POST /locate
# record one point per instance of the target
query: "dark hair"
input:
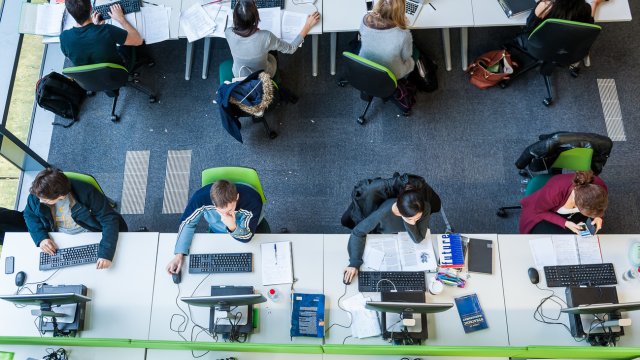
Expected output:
(410, 201)
(50, 184)
(568, 10)
(223, 193)
(590, 199)
(80, 10)
(245, 18)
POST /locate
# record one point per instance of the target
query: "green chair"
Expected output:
(373, 80)
(88, 179)
(107, 78)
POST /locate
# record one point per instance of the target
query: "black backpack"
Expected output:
(424, 74)
(60, 95)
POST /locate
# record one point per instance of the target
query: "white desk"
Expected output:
(120, 296)
(155, 354)
(444, 328)
(275, 317)
(22, 352)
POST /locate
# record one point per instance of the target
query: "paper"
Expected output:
(565, 248)
(417, 257)
(388, 244)
(589, 249)
(155, 24)
(543, 252)
(372, 258)
(130, 17)
(292, 24)
(364, 322)
(277, 263)
(195, 23)
(270, 20)
(219, 15)
(49, 20)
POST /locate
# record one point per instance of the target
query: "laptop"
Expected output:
(412, 10)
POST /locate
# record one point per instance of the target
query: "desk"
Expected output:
(155, 354)
(275, 317)
(445, 327)
(22, 352)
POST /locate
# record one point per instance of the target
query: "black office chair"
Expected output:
(373, 80)
(108, 78)
(553, 43)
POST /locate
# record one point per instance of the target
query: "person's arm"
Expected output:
(357, 240)
(276, 44)
(189, 220)
(407, 48)
(550, 199)
(594, 7)
(109, 221)
(246, 219)
(133, 36)
(418, 232)
(36, 228)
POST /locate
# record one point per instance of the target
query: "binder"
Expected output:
(481, 256)
(515, 7)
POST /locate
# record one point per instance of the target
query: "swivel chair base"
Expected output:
(369, 100)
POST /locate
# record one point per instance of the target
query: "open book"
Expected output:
(397, 252)
(41, 19)
(565, 250)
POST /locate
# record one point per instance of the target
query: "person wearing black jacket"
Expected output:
(69, 206)
(11, 221)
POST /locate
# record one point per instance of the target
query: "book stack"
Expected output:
(451, 251)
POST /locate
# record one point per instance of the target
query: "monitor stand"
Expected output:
(405, 336)
(63, 323)
(577, 296)
(222, 324)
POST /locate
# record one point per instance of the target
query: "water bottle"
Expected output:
(273, 294)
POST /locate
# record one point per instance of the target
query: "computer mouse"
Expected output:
(344, 281)
(177, 278)
(534, 277)
(21, 278)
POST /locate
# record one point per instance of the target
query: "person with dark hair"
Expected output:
(58, 204)
(563, 203)
(574, 10)
(250, 46)
(230, 208)
(92, 41)
(408, 212)
(11, 221)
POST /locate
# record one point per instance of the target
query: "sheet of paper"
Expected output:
(589, 250)
(69, 22)
(543, 252)
(270, 19)
(156, 23)
(219, 15)
(49, 19)
(277, 263)
(195, 23)
(373, 259)
(131, 18)
(292, 24)
(417, 257)
(387, 243)
(364, 322)
(565, 248)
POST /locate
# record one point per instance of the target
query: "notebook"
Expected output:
(277, 263)
(471, 313)
(307, 315)
(480, 256)
(515, 7)
(565, 250)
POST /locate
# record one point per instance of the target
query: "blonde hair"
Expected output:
(392, 11)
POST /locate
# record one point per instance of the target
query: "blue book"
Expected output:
(307, 316)
(471, 313)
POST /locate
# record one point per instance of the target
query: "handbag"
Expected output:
(490, 68)
(424, 74)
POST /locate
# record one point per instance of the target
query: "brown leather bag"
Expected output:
(490, 68)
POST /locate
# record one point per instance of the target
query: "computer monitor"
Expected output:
(593, 309)
(402, 307)
(46, 300)
(224, 301)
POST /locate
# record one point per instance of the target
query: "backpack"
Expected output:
(405, 96)
(60, 95)
(424, 74)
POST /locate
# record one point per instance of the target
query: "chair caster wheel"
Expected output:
(574, 71)
(284, 230)
(503, 84)
(151, 64)
(406, 113)
(501, 213)
(152, 99)
(273, 135)
(361, 120)
(523, 173)
(91, 93)
(547, 102)
(115, 118)
(342, 83)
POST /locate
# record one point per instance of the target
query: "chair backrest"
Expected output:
(369, 77)
(562, 42)
(576, 159)
(85, 178)
(236, 175)
(99, 77)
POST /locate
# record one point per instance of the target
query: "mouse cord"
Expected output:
(538, 313)
(343, 309)
(25, 287)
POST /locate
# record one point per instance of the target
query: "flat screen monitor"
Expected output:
(602, 308)
(224, 300)
(50, 299)
(400, 307)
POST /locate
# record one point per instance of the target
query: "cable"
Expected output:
(343, 309)
(392, 284)
(538, 313)
(24, 286)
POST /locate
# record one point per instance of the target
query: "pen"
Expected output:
(275, 252)
(430, 4)
(212, 2)
(150, 3)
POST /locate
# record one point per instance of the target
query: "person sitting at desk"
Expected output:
(11, 221)
(250, 46)
(563, 202)
(574, 10)
(408, 212)
(385, 38)
(93, 42)
(56, 203)
(228, 208)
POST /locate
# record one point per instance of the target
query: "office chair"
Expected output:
(553, 43)
(238, 175)
(108, 78)
(88, 179)
(373, 80)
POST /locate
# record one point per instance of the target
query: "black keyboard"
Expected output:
(264, 3)
(374, 281)
(128, 6)
(220, 263)
(577, 275)
(72, 256)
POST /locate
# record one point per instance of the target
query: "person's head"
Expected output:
(224, 196)
(392, 11)
(410, 203)
(50, 186)
(245, 18)
(566, 9)
(590, 199)
(80, 10)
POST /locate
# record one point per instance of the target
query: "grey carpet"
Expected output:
(463, 140)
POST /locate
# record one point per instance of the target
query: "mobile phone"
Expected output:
(369, 5)
(587, 228)
(590, 226)
(9, 264)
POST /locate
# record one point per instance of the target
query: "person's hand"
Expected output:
(312, 19)
(349, 274)
(597, 222)
(572, 226)
(228, 219)
(103, 263)
(48, 246)
(96, 18)
(116, 13)
(175, 265)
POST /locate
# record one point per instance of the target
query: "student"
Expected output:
(92, 42)
(11, 221)
(575, 10)
(408, 212)
(564, 202)
(57, 203)
(385, 38)
(250, 46)
(228, 208)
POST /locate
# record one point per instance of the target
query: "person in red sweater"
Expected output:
(564, 202)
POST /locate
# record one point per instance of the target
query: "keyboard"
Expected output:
(264, 3)
(220, 263)
(72, 256)
(577, 275)
(128, 6)
(374, 281)
(412, 10)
